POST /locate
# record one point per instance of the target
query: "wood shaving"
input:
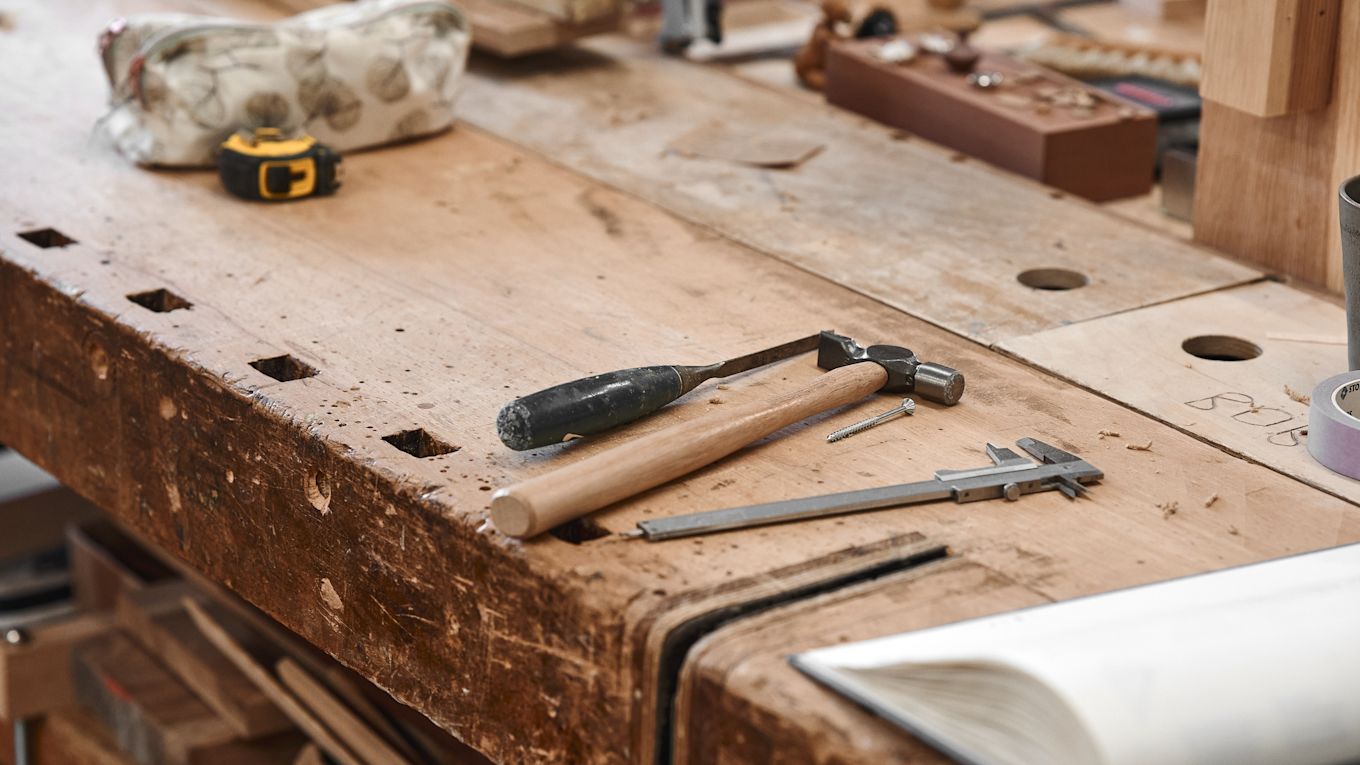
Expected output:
(715, 400)
(723, 386)
(1169, 509)
(1233, 530)
(1211, 500)
(571, 437)
(1110, 433)
(1299, 397)
(1147, 447)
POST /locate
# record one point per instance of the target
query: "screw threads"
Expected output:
(908, 407)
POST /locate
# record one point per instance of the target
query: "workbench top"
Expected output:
(547, 236)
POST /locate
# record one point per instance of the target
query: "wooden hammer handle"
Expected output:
(538, 504)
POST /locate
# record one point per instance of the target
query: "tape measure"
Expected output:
(266, 166)
(1334, 424)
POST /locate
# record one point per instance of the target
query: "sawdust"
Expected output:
(1233, 530)
(1169, 509)
(1110, 433)
(330, 597)
(1211, 500)
(722, 386)
(1147, 447)
(1296, 396)
(716, 400)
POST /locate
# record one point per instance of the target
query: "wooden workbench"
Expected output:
(549, 235)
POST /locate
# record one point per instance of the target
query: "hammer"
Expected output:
(531, 507)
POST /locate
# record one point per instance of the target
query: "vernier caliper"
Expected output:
(1009, 476)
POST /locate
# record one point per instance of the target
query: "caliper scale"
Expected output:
(1009, 477)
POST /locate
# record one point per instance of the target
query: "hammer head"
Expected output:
(906, 373)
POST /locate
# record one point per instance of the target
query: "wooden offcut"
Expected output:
(308, 721)
(70, 736)
(1270, 57)
(1266, 187)
(157, 619)
(156, 719)
(35, 676)
(510, 30)
(1103, 152)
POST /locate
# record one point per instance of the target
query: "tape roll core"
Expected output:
(1334, 424)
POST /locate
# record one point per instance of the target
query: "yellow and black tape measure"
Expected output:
(265, 165)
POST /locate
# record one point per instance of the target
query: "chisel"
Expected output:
(598, 403)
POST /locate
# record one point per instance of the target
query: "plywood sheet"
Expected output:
(1257, 407)
(908, 223)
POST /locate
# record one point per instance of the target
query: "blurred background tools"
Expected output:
(598, 403)
(268, 167)
(538, 504)
(1009, 476)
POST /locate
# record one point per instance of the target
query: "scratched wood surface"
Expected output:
(1256, 407)
(447, 276)
(915, 226)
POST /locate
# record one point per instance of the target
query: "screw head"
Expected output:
(16, 636)
(1011, 491)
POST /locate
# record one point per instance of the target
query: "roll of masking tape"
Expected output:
(1334, 424)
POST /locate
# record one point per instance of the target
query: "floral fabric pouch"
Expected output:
(352, 75)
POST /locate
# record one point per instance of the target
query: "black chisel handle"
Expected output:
(589, 405)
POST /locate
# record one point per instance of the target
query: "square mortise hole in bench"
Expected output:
(160, 301)
(419, 443)
(46, 237)
(284, 368)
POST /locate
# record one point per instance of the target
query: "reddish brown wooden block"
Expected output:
(1101, 151)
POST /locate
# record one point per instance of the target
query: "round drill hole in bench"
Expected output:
(1052, 279)
(1221, 348)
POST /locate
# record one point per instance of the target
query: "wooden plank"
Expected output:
(908, 223)
(508, 30)
(105, 564)
(1257, 407)
(1103, 152)
(155, 718)
(1295, 164)
(309, 722)
(37, 521)
(35, 676)
(1283, 224)
(68, 737)
(569, 11)
(503, 274)
(740, 701)
(354, 732)
(1270, 57)
(156, 618)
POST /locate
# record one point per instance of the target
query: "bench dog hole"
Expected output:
(1221, 348)
(1053, 279)
(284, 368)
(419, 443)
(46, 237)
(160, 301)
(580, 530)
